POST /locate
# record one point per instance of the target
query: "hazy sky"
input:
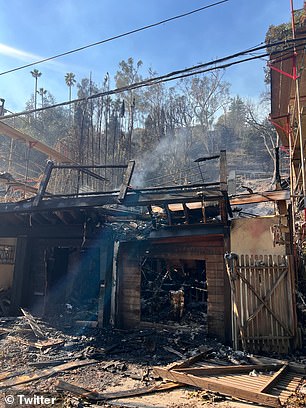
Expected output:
(34, 29)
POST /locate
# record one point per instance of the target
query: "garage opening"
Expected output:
(72, 284)
(173, 291)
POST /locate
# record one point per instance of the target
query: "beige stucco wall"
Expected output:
(253, 236)
(6, 270)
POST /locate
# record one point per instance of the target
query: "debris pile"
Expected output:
(174, 291)
(109, 367)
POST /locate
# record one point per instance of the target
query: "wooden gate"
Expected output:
(263, 302)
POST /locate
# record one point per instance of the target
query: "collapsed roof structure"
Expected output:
(148, 256)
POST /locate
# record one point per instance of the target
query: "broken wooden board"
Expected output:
(294, 366)
(6, 374)
(43, 344)
(10, 374)
(22, 379)
(191, 360)
(79, 391)
(34, 326)
(173, 351)
(219, 370)
(47, 363)
(96, 396)
(4, 331)
(268, 384)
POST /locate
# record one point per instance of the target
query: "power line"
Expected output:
(184, 73)
(149, 82)
(115, 37)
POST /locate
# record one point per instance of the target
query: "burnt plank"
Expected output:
(22, 379)
(96, 396)
(275, 378)
(227, 369)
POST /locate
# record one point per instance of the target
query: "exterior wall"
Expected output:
(254, 236)
(6, 270)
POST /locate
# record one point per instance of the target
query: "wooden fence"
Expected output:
(263, 302)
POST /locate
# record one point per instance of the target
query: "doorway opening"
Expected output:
(173, 291)
(72, 283)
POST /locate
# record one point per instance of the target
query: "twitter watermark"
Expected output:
(24, 400)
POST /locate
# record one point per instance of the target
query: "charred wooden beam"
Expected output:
(186, 213)
(126, 181)
(72, 216)
(132, 199)
(227, 204)
(260, 197)
(223, 171)
(23, 379)
(95, 396)
(178, 187)
(50, 217)
(33, 324)
(49, 231)
(62, 216)
(203, 211)
(42, 218)
(84, 169)
(177, 231)
(43, 184)
(202, 159)
(168, 213)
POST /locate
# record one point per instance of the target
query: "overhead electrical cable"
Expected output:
(116, 37)
(179, 74)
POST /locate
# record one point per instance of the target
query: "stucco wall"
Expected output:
(254, 236)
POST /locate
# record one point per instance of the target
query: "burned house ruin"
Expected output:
(149, 257)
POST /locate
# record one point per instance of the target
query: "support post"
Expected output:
(223, 171)
(43, 184)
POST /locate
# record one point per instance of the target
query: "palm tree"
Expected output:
(42, 92)
(70, 81)
(35, 74)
